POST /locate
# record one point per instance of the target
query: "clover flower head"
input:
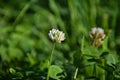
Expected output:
(97, 35)
(56, 35)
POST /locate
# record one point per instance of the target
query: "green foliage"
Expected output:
(54, 71)
(25, 46)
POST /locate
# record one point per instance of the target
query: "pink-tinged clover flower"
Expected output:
(97, 35)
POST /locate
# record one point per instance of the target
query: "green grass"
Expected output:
(25, 46)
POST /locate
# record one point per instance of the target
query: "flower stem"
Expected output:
(51, 56)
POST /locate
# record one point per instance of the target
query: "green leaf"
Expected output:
(12, 71)
(116, 72)
(111, 59)
(54, 71)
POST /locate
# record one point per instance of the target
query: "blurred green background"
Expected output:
(25, 44)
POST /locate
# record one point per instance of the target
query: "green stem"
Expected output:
(51, 56)
(103, 72)
(75, 75)
(21, 14)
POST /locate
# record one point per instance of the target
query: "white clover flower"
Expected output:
(56, 35)
(97, 35)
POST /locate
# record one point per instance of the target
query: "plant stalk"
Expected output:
(51, 56)
(75, 75)
(103, 72)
